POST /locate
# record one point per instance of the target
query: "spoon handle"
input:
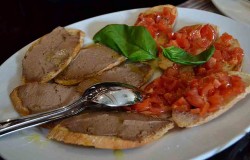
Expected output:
(12, 125)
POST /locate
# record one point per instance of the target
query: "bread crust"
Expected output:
(17, 103)
(65, 63)
(186, 119)
(160, 9)
(62, 134)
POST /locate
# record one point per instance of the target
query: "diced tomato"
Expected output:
(239, 86)
(153, 104)
(216, 83)
(204, 109)
(171, 72)
(226, 38)
(183, 43)
(158, 109)
(224, 79)
(171, 84)
(215, 100)
(194, 83)
(194, 39)
(194, 98)
(217, 55)
(159, 24)
(227, 56)
(152, 30)
(207, 88)
(173, 43)
(239, 53)
(151, 87)
(211, 63)
(181, 105)
(209, 32)
(195, 111)
(169, 97)
(142, 106)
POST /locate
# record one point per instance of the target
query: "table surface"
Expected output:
(22, 21)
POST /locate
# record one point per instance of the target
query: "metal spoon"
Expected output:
(109, 94)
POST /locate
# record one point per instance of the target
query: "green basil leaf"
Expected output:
(134, 42)
(180, 56)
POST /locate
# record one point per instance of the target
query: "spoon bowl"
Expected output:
(108, 94)
(113, 94)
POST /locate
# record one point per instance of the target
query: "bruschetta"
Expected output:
(136, 74)
(51, 54)
(90, 61)
(159, 21)
(35, 97)
(193, 39)
(110, 130)
(228, 56)
(216, 94)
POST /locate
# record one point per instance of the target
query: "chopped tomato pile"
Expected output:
(207, 94)
(159, 24)
(227, 56)
(204, 88)
(182, 91)
(194, 39)
(163, 92)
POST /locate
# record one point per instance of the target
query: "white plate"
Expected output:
(239, 10)
(195, 143)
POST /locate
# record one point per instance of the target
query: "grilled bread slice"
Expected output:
(228, 56)
(50, 54)
(187, 119)
(162, 19)
(37, 97)
(136, 74)
(90, 61)
(161, 9)
(110, 130)
(193, 39)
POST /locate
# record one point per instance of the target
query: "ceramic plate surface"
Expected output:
(239, 10)
(179, 144)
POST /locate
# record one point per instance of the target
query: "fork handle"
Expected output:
(13, 125)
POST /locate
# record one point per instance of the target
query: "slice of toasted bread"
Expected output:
(90, 61)
(235, 64)
(164, 62)
(186, 119)
(159, 15)
(106, 138)
(136, 74)
(61, 133)
(17, 103)
(228, 56)
(36, 97)
(155, 9)
(43, 62)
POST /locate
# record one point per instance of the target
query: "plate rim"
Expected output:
(216, 4)
(202, 155)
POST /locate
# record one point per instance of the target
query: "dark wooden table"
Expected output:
(22, 21)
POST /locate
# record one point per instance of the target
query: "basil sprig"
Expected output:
(180, 56)
(134, 42)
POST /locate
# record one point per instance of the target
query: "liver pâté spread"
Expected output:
(125, 125)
